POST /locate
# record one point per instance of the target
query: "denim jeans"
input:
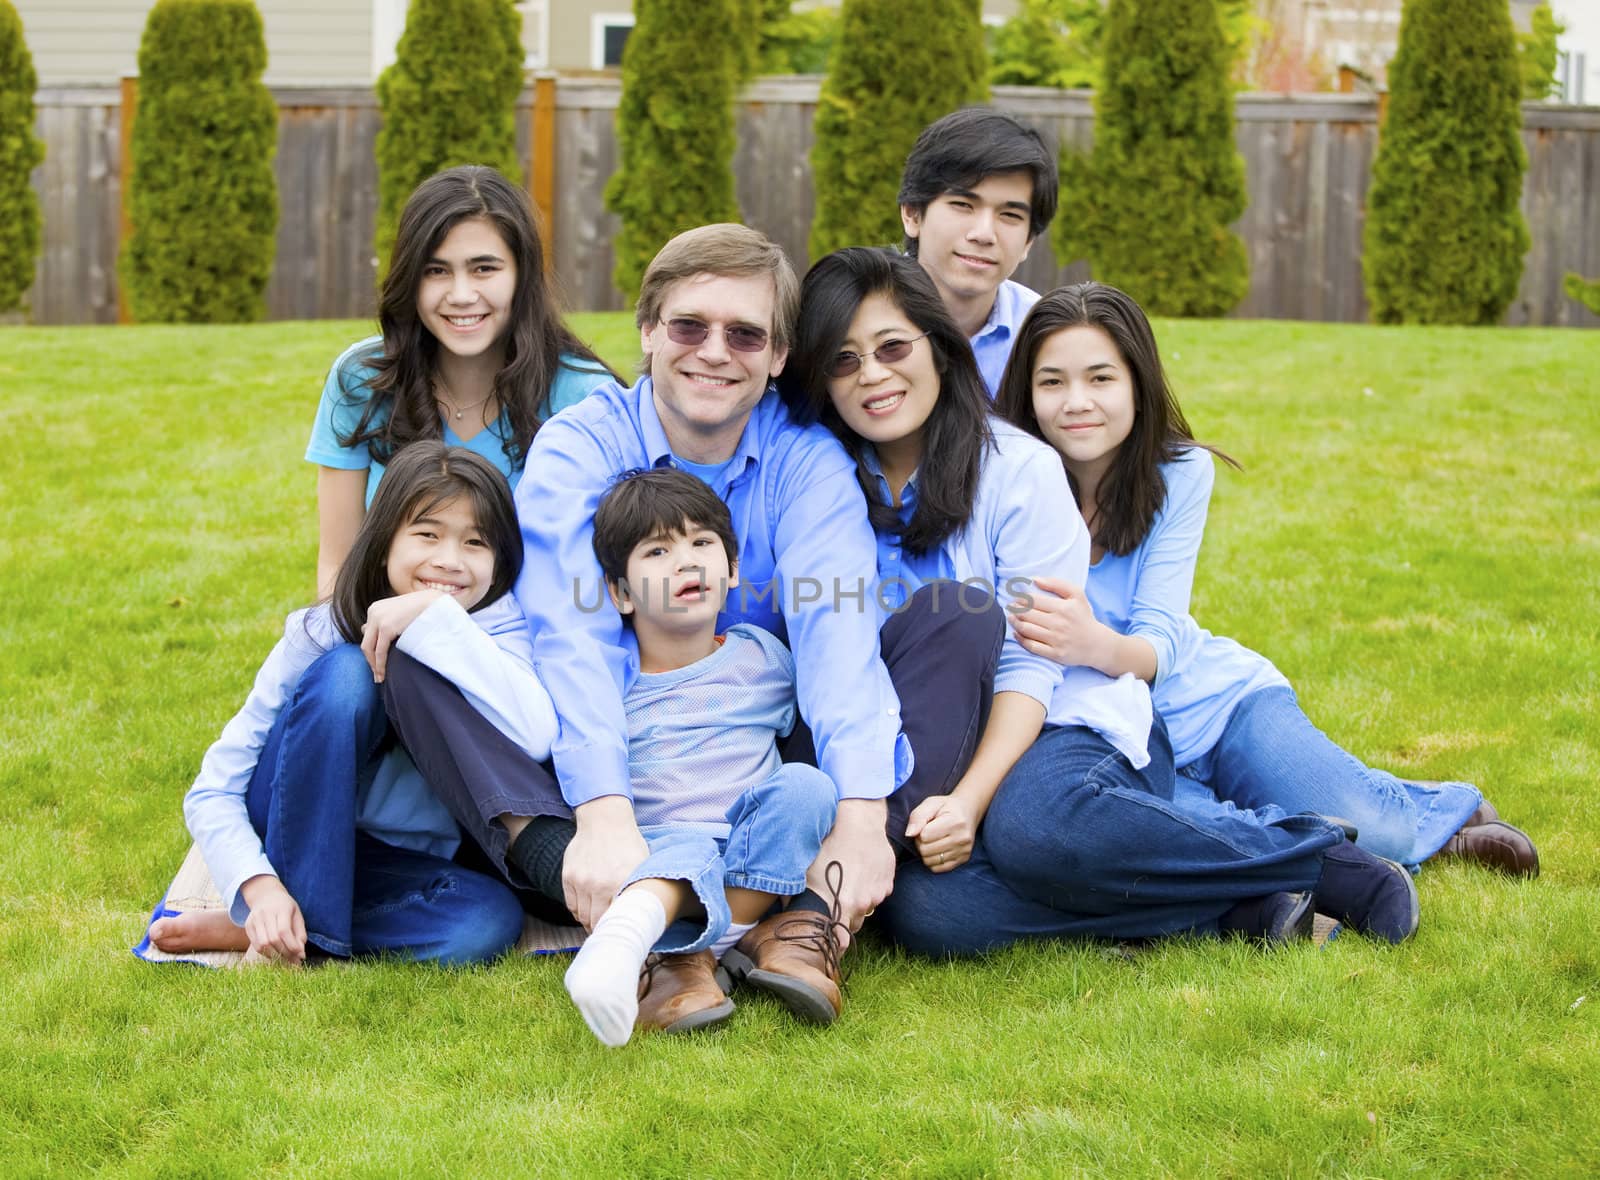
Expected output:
(1272, 761)
(1077, 843)
(359, 895)
(776, 829)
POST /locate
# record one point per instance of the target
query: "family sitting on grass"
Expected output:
(870, 597)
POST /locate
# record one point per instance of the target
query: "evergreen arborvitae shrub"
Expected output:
(1445, 236)
(675, 129)
(20, 153)
(449, 98)
(896, 68)
(203, 199)
(1150, 206)
(1585, 291)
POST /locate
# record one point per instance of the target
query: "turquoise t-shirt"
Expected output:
(344, 400)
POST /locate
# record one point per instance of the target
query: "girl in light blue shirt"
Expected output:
(472, 353)
(1060, 821)
(1086, 377)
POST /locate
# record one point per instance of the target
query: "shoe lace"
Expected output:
(820, 933)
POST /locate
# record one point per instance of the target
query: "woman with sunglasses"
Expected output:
(1060, 822)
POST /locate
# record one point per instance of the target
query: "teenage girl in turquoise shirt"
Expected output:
(1086, 377)
(473, 351)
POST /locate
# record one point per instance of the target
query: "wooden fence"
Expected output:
(1308, 160)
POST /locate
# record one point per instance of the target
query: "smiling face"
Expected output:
(443, 549)
(704, 392)
(1083, 397)
(886, 402)
(972, 240)
(466, 292)
(677, 581)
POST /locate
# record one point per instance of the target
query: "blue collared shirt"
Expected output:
(992, 345)
(902, 573)
(806, 565)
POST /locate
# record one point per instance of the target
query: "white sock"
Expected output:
(730, 939)
(603, 980)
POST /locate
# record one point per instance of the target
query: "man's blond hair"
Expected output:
(729, 250)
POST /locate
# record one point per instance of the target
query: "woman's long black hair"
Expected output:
(957, 430)
(1133, 490)
(403, 382)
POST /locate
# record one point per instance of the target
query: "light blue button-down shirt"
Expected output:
(1200, 677)
(991, 347)
(806, 566)
(1024, 525)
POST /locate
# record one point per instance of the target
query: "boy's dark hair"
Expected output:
(648, 503)
(961, 150)
(422, 476)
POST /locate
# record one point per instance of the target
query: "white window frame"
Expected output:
(535, 58)
(599, 22)
(388, 22)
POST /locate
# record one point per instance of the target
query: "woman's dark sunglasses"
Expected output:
(886, 353)
(740, 337)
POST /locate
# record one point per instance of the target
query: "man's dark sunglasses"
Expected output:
(693, 333)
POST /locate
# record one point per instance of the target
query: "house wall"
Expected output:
(95, 42)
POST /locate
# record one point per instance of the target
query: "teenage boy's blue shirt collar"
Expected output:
(745, 456)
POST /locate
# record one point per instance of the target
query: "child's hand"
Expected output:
(275, 926)
(1061, 625)
(386, 619)
(944, 827)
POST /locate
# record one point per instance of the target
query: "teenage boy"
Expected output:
(978, 188)
(716, 311)
(731, 827)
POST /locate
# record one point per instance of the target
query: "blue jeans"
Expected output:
(357, 894)
(1077, 843)
(776, 830)
(1272, 761)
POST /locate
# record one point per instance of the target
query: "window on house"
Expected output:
(609, 34)
(535, 16)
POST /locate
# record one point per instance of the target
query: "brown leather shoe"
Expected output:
(1496, 845)
(794, 956)
(677, 994)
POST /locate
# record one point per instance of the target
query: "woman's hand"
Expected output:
(1061, 625)
(386, 620)
(944, 827)
(276, 928)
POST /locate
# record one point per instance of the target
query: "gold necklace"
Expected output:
(450, 405)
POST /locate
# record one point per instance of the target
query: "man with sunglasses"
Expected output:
(715, 313)
(977, 189)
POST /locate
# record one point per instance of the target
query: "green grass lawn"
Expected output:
(1415, 540)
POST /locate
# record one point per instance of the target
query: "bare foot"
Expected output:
(198, 930)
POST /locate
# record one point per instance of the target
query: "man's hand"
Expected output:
(860, 845)
(606, 849)
(276, 929)
(944, 827)
(386, 619)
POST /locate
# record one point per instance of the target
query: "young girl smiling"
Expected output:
(319, 833)
(1085, 376)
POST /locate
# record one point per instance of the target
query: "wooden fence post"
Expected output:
(130, 99)
(542, 165)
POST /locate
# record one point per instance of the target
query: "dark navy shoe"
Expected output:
(1275, 918)
(1368, 893)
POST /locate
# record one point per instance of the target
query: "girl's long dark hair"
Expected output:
(420, 478)
(1133, 490)
(403, 381)
(957, 430)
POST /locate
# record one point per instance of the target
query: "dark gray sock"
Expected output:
(813, 901)
(538, 851)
